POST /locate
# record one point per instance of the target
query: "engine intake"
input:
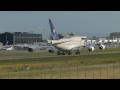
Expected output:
(30, 49)
(91, 48)
(51, 51)
(102, 47)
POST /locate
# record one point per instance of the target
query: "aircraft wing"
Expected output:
(87, 45)
(95, 44)
(35, 48)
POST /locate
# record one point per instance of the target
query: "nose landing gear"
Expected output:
(78, 52)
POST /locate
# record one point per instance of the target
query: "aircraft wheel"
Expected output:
(69, 53)
(63, 53)
(77, 52)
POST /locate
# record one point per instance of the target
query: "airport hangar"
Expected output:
(12, 38)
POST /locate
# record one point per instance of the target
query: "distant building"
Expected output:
(115, 35)
(0, 36)
(9, 38)
(1, 45)
(67, 35)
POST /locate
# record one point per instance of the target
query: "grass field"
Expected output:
(84, 66)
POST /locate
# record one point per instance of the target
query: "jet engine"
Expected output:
(91, 48)
(30, 49)
(102, 47)
(51, 51)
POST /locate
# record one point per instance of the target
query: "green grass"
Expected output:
(94, 58)
(89, 60)
(14, 53)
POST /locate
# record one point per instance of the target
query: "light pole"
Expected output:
(6, 40)
(44, 32)
(20, 38)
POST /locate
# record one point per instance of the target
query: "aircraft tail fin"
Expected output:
(54, 35)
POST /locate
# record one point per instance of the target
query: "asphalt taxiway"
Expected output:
(53, 55)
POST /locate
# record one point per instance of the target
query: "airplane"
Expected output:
(66, 45)
(35, 48)
(10, 48)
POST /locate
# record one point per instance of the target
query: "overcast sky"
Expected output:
(87, 23)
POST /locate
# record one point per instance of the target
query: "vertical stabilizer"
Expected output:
(54, 35)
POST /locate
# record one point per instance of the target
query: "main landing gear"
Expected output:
(69, 52)
(78, 52)
(58, 53)
(63, 53)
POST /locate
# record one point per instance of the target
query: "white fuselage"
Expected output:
(68, 44)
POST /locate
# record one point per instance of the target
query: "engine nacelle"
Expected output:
(91, 48)
(102, 47)
(51, 51)
(31, 49)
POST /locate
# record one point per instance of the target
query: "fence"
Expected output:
(64, 71)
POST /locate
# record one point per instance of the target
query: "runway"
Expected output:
(53, 55)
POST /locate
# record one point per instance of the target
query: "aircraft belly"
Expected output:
(73, 46)
(66, 47)
(62, 47)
